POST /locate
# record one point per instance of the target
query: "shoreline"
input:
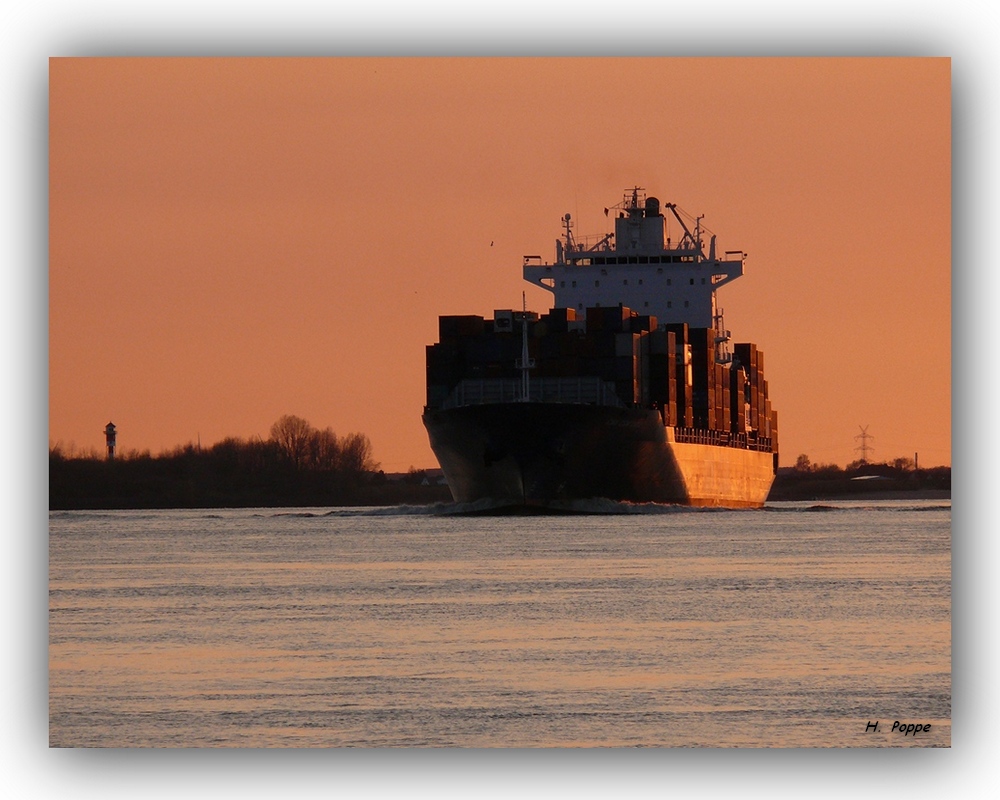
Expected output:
(432, 499)
(889, 494)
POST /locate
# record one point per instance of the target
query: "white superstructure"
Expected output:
(636, 267)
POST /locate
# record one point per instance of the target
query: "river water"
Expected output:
(800, 625)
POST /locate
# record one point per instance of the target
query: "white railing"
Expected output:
(596, 243)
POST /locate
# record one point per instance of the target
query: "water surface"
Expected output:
(796, 625)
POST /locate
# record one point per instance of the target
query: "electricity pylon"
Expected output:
(864, 436)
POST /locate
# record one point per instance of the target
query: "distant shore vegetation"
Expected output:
(901, 476)
(297, 465)
(300, 465)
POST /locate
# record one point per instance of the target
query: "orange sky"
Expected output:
(236, 239)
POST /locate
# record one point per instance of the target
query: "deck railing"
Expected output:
(740, 441)
(587, 390)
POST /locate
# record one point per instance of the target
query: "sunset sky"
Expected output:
(213, 261)
(231, 240)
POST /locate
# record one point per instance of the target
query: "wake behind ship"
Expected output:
(626, 389)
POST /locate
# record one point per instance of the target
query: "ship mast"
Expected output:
(568, 227)
(524, 363)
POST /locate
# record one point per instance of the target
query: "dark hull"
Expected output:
(545, 454)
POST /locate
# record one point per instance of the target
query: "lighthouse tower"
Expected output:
(109, 434)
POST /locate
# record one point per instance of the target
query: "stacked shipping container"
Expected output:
(672, 368)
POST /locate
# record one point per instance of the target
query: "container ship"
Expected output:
(628, 388)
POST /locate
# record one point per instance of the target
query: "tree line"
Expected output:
(807, 480)
(297, 465)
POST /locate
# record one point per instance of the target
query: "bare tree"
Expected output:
(356, 455)
(292, 435)
(324, 450)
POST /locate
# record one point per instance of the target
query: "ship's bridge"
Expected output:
(637, 267)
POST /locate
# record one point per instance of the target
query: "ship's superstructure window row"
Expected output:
(586, 261)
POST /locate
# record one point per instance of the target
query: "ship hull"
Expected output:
(547, 454)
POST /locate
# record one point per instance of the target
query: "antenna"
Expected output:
(864, 436)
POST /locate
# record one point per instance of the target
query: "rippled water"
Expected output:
(655, 626)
